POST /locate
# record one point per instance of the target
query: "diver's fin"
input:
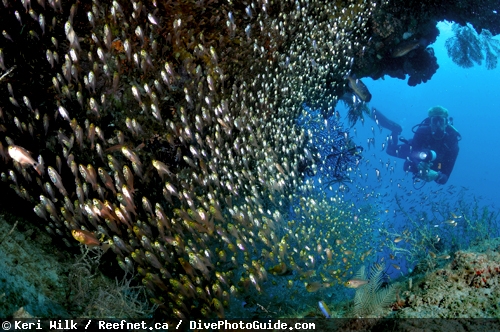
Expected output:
(383, 121)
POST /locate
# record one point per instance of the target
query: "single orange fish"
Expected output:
(23, 157)
(89, 239)
(85, 237)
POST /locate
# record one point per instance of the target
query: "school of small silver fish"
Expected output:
(170, 137)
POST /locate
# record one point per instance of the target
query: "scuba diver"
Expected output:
(431, 154)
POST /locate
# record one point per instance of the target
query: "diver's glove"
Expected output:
(425, 172)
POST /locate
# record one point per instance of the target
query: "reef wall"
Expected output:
(167, 131)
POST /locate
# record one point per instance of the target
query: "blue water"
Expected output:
(471, 97)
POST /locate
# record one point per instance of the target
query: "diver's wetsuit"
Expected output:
(446, 150)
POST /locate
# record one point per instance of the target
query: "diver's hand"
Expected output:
(426, 173)
(431, 175)
(423, 166)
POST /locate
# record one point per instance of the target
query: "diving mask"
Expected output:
(438, 125)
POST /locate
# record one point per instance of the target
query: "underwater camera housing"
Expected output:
(426, 155)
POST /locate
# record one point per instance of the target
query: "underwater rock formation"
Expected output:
(421, 67)
(482, 14)
(466, 286)
(415, 23)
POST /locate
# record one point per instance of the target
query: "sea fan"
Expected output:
(371, 296)
(491, 48)
(465, 47)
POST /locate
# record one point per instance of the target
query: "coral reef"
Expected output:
(167, 131)
(448, 268)
(415, 22)
(421, 67)
(465, 287)
(30, 275)
(402, 52)
(39, 280)
(91, 294)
